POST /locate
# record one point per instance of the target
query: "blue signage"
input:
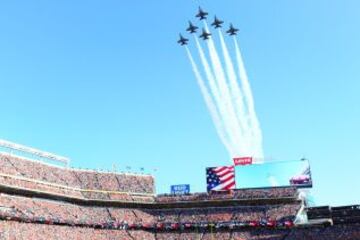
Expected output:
(180, 189)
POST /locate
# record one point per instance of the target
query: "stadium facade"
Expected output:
(44, 201)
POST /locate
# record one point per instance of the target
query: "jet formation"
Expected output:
(217, 23)
(201, 14)
(232, 31)
(205, 35)
(183, 41)
(191, 28)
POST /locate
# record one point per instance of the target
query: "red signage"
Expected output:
(242, 161)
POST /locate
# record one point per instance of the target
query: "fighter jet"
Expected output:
(201, 14)
(232, 31)
(182, 41)
(205, 35)
(191, 28)
(217, 23)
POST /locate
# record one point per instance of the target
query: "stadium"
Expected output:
(40, 200)
(88, 76)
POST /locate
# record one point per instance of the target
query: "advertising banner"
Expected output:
(242, 161)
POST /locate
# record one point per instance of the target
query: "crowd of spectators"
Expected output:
(336, 232)
(12, 230)
(339, 232)
(26, 231)
(48, 211)
(33, 175)
(85, 184)
(24, 217)
(228, 214)
(343, 214)
(244, 194)
(27, 209)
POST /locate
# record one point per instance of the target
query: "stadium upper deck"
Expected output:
(30, 175)
(40, 179)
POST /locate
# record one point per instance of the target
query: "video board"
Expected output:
(274, 174)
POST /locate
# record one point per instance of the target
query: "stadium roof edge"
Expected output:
(33, 151)
(74, 169)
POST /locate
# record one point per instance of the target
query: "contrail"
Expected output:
(210, 105)
(249, 101)
(215, 92)
(237, 95)
(236, 131)
(209, 74)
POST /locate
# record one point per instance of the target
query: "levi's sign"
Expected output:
(242, 161)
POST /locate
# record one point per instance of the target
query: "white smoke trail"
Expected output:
(235, 131)
(209, 74)
(255, 126)
(237, 97)
(215, 92)
(210, 105)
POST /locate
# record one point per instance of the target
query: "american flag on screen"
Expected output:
(220, 178)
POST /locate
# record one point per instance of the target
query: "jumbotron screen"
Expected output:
(274, 174)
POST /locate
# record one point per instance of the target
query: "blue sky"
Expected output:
(104, 82)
